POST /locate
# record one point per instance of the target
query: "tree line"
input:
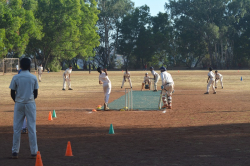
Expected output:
(190, 33)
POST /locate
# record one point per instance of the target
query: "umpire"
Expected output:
(24, 91)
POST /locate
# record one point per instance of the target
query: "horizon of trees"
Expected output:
(190, 34)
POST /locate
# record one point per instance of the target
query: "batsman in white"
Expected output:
(218, 77)
(145, 81)
(156, 78)
(40, 72)
(167, 88)
(66, 78)
(104, 80)
(24, 91)
(126, 76)
(210, 80)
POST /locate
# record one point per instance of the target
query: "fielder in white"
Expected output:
(24, 91)
(145, 81)
(156, 78)
(167, 88)
(126, 76)
(104, 80)
(218, 77)
(210, 80)
(40, 72)
(66, 78)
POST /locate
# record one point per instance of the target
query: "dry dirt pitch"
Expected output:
(200, 130)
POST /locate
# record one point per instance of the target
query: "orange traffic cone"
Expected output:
(68, 150)
(38, 159)
(50, 116)
(35, 72)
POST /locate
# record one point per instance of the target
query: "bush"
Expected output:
(54, 66)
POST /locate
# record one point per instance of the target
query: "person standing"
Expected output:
(210, 80)
(104, 80)
(156, 78)
(40, 72)
(167, 88)
(66, 78)
(126, 76)
(24, 91)
(218, 77)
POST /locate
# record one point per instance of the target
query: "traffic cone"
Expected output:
(241, 78)
(50, 117)
(54, 114)
(111, 129)
(38, 159)
(35, 72)
(68, 150)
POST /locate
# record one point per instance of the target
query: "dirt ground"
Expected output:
(199, 130)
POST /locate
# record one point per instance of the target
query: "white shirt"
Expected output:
(166, 78)
(146, 78)
(67, 72)
(40, 69)
(17, 67)
(218, 76)
(127, 75)
(24, 84)
(211, 75)
(104, 78)
(154, 73)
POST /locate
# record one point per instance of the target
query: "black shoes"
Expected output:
(24, 131)
(63, 89)
(33, 156)
(70, 89)
(206, 93)
(15, 155)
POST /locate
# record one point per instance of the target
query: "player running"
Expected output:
(40, 72)
(167, 88)
(104, 80)
(126, 76)
(66, 78)
(146, 80)
(156, 78)
(218, 77)
(210, 80)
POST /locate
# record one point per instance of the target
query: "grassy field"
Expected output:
(200, 129)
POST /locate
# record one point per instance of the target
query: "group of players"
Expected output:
(213, 79)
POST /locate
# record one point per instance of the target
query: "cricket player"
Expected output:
(167, 88)
(104, 80)
(210, 80)
(146, 80)
(66, 78)
(40, 72)
(24, 91)
(218, 77)
(156, 78)
(126, 76)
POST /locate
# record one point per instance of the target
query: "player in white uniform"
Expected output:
(126, 76)
(104, 80)
(210, 80)
(66, 78)
(218, 77)
(167, 88)
(145, 81)
(156, 78)
(24, 91)
(40, 72)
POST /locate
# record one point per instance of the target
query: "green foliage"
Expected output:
(54, 65)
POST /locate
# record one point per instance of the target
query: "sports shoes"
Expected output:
(24, 131)
(106, 108)
(206, 93)
(214, 93)
(131, 87)
(222, 87)
(155, 90)
(33, 156)
(165, 106)
(70, 89)
(15, 155)
(215, 87)
(121, 87)
(63, 89)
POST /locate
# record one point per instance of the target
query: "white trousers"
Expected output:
(40, 76)
(168, 89)
(211, 82)
(107, 91)
(68, 82)
(221, 83)
(20, 111)
(130, 83)
(157, 78)
(24, 123)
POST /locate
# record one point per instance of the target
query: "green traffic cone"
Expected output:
(111, 129)
(54, 114)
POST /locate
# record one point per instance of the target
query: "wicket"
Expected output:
(128, 99)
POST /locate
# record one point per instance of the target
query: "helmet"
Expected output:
(163, 68)
(210, 68)
(151, 68)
